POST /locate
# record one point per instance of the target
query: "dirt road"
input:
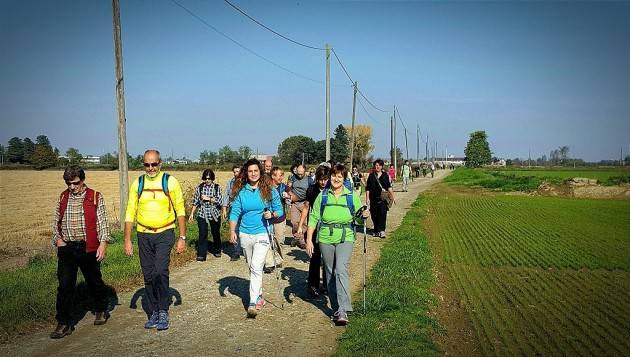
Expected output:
(209, 318)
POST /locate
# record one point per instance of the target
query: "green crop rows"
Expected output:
(538, 275)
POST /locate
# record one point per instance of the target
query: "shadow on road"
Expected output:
(83, 301)
(235, 286)
(297, 289)
(141, 294)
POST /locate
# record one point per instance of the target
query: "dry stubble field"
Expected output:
(28, 198)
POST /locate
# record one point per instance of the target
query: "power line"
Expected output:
(401, 120)
(243, 46)
(372, 104)
(342, 66)
(368, 113)
(271, 30)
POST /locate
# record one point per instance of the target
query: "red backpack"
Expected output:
(90, 203)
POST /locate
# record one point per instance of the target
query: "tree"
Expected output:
(399, 156)
(208, 157)
(339, 145)
(28, 148)
(109, 159)
(43, 157)
(363, 146)
(290, 149)
(2, 154)
(477, 150)
(74, 157)
(626, 160)
(229, 156)
(245, 152)
(42, 140)
(15, 150)
(564, 154)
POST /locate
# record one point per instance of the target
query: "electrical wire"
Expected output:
(271, 30)
(342, 66)
(372, 104)
(243, 46)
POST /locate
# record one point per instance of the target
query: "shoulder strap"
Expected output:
(323, 202)
(165, 183)
(350, 203)
(140, 185)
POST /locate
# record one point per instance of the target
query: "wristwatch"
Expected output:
(182, 237)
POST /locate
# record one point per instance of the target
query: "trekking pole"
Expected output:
(357, 215)
(275, 265)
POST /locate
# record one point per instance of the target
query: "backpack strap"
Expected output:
(140, 185)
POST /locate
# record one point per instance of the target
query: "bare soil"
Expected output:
(208, 316)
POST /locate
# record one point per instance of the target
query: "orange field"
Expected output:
(28, 198)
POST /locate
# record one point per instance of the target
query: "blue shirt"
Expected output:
(248, 208)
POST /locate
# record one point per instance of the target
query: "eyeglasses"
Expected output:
(75, 183)
(207, 179)
(151, 164)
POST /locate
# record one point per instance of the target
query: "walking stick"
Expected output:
(273, 254)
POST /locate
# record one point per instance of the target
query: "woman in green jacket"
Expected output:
(332, 215)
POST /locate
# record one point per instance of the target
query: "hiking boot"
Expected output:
(235, 258)
(217, 255)
(201, 259)
(381, 234)
(252, 312)
(153, 321)
(340, 318)
(260, 303)
(101, 318)
(268, 270)
(162, 323)
(61, 331)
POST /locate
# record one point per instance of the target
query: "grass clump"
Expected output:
(398, 299)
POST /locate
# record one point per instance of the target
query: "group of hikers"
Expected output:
(325, 209)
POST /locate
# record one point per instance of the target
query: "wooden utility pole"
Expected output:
(529, 158)
(327, 102)
(406, 146)
(418, 145)
(426, 148)
(123, 174)
(395, 162)
(391, 139)
(352, 138)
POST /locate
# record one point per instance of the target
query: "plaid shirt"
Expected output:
(206, 209)
(73, 222)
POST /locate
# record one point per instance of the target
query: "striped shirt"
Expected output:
(73, 222)
(208, 209)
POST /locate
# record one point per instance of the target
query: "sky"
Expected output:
(533, 75)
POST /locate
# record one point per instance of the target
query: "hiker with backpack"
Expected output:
(406, 174)
(357, 179)
(279, 223)
(226, 202)
(206, 203)
(156, 203)
(333, 217)
(254, 204)
(81, 235)
(315, 264)
(379, 195)
(301, 183)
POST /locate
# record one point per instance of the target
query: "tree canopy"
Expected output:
(477, 150)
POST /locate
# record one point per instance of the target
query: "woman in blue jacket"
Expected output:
(254, 204)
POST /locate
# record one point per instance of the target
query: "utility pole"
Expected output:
(391, 139)
(123, 174)
(446, 156)
(426, 149)
(354, 107)
(529, 159)
(395, 152)
(418, 145)
(406, 146)
(302, 159)
(327, 102)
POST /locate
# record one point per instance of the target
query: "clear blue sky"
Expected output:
(532, 75)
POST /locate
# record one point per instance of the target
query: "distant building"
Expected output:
(91, 159)
(261, 157)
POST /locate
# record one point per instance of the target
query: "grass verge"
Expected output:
(398, 297)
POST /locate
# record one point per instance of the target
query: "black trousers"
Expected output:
(315, 266)
(378, 212)
(155, 255)
(70, 258)
(202, 244)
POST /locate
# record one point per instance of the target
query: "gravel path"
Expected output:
(210, 317)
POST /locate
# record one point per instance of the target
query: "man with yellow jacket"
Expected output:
(155, 203)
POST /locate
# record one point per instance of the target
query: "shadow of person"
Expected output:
(236, 286)
(84, 302)
(297, 289)
(144, 302)
(298, 254)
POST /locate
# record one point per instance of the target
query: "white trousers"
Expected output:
(255, 247)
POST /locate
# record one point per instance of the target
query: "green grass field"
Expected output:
(397, 322)
(601, 175)
(537, 275)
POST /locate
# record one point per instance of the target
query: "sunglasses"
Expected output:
(151, 164)
(207, 179)
(75, 183)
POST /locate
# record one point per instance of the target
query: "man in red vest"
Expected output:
(81, 234)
